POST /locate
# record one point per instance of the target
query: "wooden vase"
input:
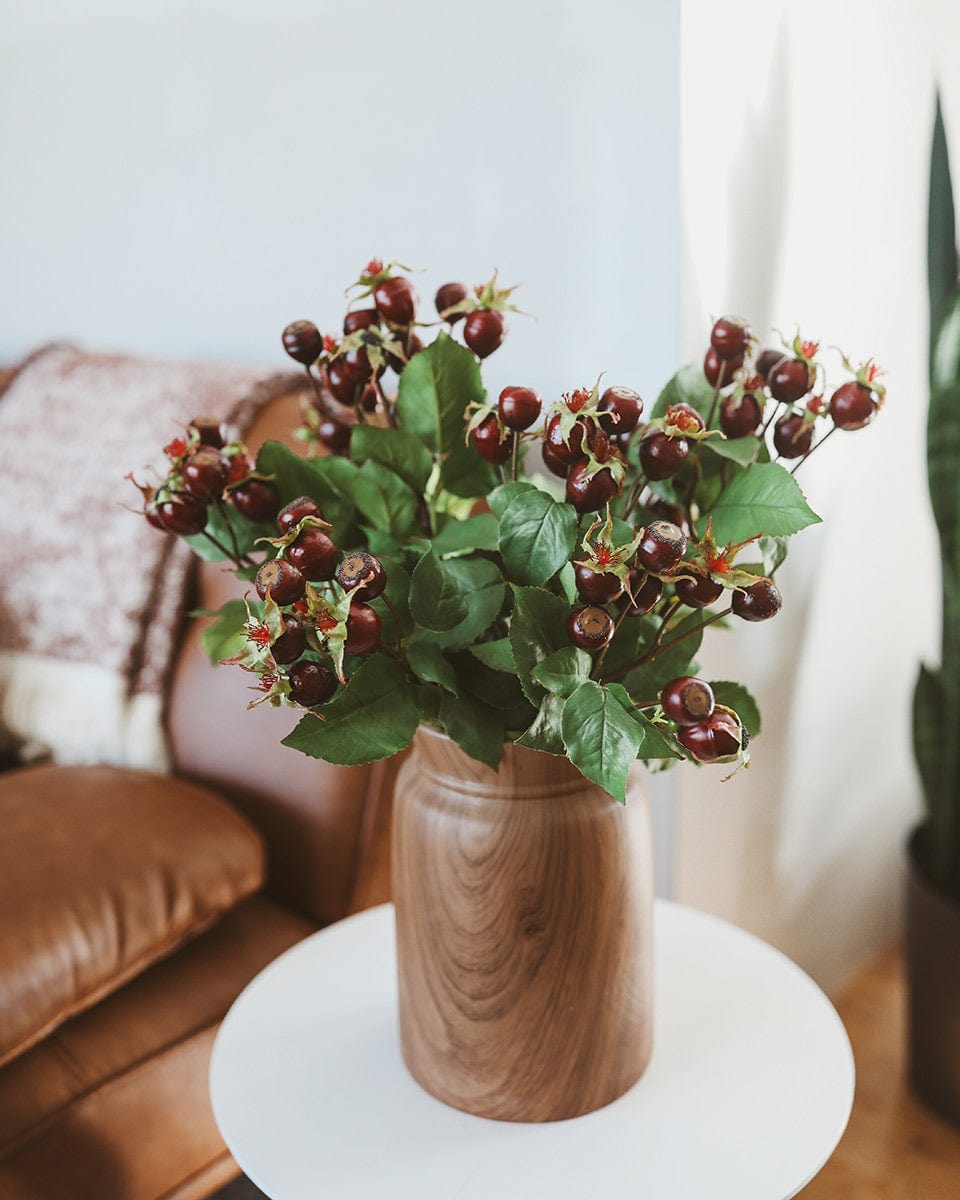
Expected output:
(524, 908)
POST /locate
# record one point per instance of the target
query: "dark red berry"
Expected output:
(698, 592)
(519, 407)
(257, 499)
(342, 385)
(666, 511)
(153, 516)
(303, 342)
(687, 700)
(597, 587)
(356, 363)
(789, 380)
(182, 514)
(205, 474)
(291, 643)
(449, 295)
(767, 361)
(720, 372)
(792, 437)
(740, 415)
(209, 431)
(590, 628)
(852, 405)
(570, 450)
(621, 408)
(483, 331)
(730, 338)
(491, 441)
(360, 318)
(662, 456)
(553, 461)
(717, 739)
(370, 397)
(281, 580)
(364, 629)
(311, 683)
(758, 602)
(396, 300)
(313, 554)
(646, 591)
(662, 546)
(685, 418)
(293, 513)
(333, 434)
(362, 571)
(587, 492)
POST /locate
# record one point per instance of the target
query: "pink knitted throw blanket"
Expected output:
(91, 597)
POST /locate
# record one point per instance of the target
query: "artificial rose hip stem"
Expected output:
(641, 662)
(816, 446)
(238, 558)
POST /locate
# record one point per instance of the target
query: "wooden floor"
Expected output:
(894, 1148)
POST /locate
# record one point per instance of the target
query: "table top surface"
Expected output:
(748, 1092)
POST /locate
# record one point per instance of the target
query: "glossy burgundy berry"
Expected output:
(313, 554)
(302, 340)
(396, 300)
(342, 385)
(570, 450)
(666, 511)
(662, 546)
(209, 431)
(646, 591)
(687, 700)
(362, 571)
(621, 408)
(554, 462)
(767, 361)
(356, 363)
(698, 592)
(335, 435)
(662, 456)
(740, 416)
(491, 441)
(281, 580)
(153, 516)
(360, 318)
(791, 437)
(256, 499)
(789, 380)
(291, 643)
(448, 295)
(370, 397)
(852, 405)
(293, 513)
(311, 683)
(714, 365)
(587, 492)
(182, 514)
(730, 338)
(718, 738)
(364, 629)
(686, 418)
(519, 407)
(590, 628)
(483, 331)
(597, 587)
(758, 602)
(205, 474)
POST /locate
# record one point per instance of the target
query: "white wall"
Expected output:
(805, 201)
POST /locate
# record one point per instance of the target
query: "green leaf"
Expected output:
(397, 592)
(564, 670)
(498, 655)
(329, 481)
(545, 732)
(655, 744)
(480, 581)
(773, 552)
(475, 727)
(436, 387)
(646, 682)
(688, 386)
(537, 536)
(502, 497)
(475, 533)
(385, 500)
(941, 229)
(741, 450)
(766, 499)
(736, 696)
(225, 636)
(428, 663)
(601, 739)
(436, 597)
(373, 717)
(538, 627)
(404, 454)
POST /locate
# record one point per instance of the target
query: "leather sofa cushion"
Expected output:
(102, 872)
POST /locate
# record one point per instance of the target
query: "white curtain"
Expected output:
(806, 129)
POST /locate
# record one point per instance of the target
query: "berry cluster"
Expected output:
(709, 732)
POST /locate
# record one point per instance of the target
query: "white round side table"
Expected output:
(747, 1095)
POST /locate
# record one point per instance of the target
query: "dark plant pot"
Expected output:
(933, 980)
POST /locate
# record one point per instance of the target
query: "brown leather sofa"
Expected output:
(134, 908)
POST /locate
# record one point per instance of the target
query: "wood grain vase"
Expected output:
(524, 908)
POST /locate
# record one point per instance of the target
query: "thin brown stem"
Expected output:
(662, 649)
(396, 620)
(515, 458)
(812, 449)
(318, 392)
(716, 392)
(237, 556)
(597, 666)
(224, 550)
